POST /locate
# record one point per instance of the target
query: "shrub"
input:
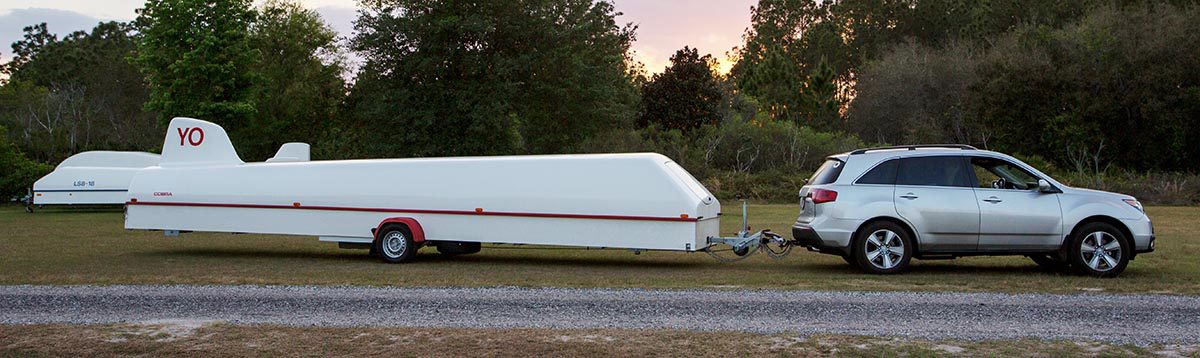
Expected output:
(17, 173)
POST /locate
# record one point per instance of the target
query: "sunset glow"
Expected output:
(664, 26)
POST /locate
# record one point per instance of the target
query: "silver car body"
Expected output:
(959, 221)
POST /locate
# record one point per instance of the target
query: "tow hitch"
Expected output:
(745, 243)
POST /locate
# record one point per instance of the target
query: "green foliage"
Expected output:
(1119, 87)
(468, 78)
(917, 94)
(17, 173)
(76, 94)
(684, 96)
(198, 60)
(757, 157)
(300, 71)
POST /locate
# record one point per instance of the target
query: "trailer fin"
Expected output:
(192, 142)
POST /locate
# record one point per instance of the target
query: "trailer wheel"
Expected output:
(394, 244)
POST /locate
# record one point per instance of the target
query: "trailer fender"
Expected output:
(412, 224)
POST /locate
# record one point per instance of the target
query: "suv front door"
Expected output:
(1014, 214)
(935, 195)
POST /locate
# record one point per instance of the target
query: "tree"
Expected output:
(1121, 85)
(197, 59)
(684, 96)
(464, 77)
(78, 93)
(17, 172)
(35, 38)
(301, 78)
(918, 94)
(792, 45)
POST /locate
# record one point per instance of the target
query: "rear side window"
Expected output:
(827, 173)
(882, 174)
(935, 171)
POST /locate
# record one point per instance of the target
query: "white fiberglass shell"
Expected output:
(640, 200)
(97, 177)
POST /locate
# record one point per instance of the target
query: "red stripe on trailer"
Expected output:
(681, 218)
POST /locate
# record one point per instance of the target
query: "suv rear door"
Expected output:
(936, 195)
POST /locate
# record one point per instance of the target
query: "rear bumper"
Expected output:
(808, 237)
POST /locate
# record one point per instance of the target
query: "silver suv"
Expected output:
(880, 207)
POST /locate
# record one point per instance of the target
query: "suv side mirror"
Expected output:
(1045, 187)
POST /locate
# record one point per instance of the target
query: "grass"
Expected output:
(65, 247)
(193, 339)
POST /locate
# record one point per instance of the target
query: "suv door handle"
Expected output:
(909, 196)
(993, 200)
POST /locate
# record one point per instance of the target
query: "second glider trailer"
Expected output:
(641, 201)
(90, 178)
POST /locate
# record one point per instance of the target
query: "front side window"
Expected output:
(949, 171)
(996, 173)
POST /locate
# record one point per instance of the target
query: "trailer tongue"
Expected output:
(638, 201)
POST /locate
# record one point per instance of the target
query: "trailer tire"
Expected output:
(394, 244)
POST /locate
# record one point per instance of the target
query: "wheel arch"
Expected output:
(413, 226)
(916, 241)
(1102, 219)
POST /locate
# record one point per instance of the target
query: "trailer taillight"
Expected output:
(822, 196)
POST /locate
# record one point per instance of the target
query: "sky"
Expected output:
(664, 26)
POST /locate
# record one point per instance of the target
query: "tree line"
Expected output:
(1102, 91)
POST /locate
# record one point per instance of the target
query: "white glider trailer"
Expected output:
(394, 206)
(90, 178)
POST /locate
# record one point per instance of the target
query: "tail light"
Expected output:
(822, 196)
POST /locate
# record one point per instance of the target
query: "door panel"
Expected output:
(1014, 215)
(1018, 220)
(945, 218)
(935, 194)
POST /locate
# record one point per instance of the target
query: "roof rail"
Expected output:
(915, 147)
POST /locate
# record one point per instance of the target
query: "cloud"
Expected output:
(60, 22)
(665, 26)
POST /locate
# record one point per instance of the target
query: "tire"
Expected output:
(1099, 249)
(1050, 262)
(451, 248)
(887, 236)
(394, 244)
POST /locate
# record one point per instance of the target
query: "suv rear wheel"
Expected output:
(882, 248)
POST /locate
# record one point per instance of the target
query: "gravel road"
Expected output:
(1138, 319)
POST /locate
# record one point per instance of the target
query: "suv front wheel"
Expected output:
(882, 248)
(1099, 249)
